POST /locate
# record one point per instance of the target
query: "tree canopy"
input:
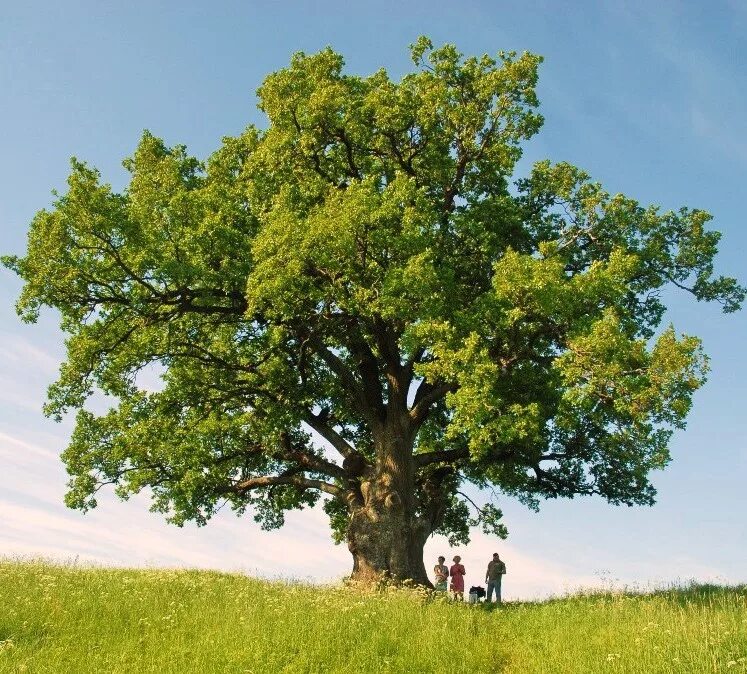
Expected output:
(367, 271)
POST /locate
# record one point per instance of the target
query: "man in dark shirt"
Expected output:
(493, 576)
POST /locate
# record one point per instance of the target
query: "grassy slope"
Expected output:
(66, 619)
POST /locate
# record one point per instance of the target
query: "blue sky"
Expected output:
(647, 97)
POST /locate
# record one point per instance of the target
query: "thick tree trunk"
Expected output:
(389, 546)
(385, 534)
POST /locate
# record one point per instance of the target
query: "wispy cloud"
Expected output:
(10, 444)
(26, 370)
(17, 398)
(18, 351)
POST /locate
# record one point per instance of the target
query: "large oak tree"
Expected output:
(361, 303)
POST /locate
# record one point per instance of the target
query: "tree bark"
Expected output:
(386, 546)
(385, 535)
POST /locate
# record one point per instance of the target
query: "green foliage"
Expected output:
(365, 261)
(73, 619)
(459, 519)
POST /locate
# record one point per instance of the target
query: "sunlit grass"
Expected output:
(71, 619)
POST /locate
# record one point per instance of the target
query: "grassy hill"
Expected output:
(60, 619)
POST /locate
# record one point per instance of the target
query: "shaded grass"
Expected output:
(71, 619)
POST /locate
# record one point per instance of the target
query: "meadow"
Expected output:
(59, 619)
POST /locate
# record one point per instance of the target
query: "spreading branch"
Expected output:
(338, 366)
(426, 395)
(263, 481)
(329, 434)
(441, 456)
(307, 460)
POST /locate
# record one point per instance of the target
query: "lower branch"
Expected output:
(426, 395)
(308, 460)
(441, 456)
(296, 480)
(317, 423)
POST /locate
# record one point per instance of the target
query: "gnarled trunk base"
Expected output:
(386, 545)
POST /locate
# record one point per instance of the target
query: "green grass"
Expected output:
(70, 619)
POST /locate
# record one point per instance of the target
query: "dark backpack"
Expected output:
(479, 590)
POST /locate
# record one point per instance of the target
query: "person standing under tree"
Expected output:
(441, 572)
(457, 572)
(493, 576)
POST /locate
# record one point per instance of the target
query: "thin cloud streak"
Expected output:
(20, 351)
(34, 450)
